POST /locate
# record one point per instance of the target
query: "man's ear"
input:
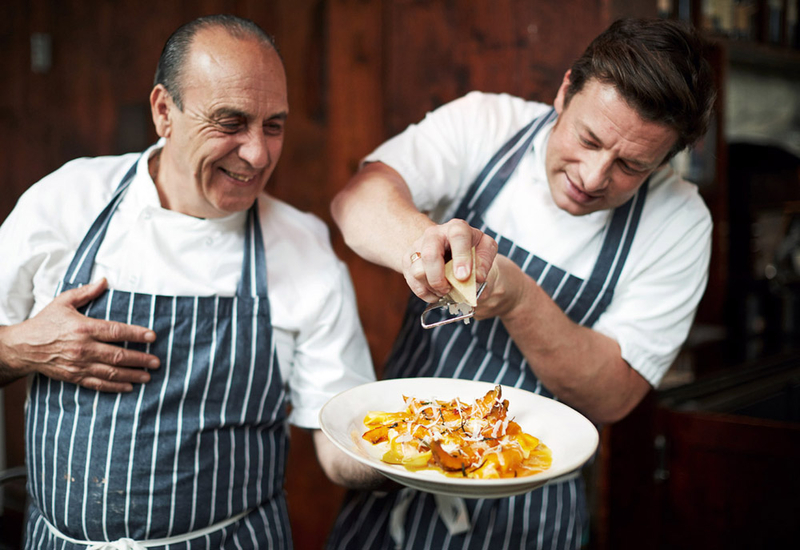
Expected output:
(562, 93)
(161, 105)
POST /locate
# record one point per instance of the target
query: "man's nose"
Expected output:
(254, 149)
(597, 172)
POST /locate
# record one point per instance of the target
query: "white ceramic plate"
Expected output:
(571, 437)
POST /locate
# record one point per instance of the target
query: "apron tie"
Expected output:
(130, 544)
(121, 544)
(451, 510)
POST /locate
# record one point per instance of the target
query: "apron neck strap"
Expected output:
(253, 281)
(499, 169)
(80, 269)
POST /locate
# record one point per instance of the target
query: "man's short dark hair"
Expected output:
(173, 56)
(658, 67)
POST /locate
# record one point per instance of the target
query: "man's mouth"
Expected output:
(243, 178)
(578, 195)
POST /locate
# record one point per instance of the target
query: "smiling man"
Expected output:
(595, 254)
(159, 393)
(226, 142)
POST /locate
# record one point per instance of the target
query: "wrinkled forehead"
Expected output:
(222, 68)
(217, 55)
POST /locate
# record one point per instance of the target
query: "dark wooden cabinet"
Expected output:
(710, 465)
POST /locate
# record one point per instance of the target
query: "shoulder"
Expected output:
(298, 245)
(673, 238)
(673, 201)
(45, 227)
(287, 228)
(63, 204)
(80, 187)
(307, 281)
(497, 103)
(491, 113)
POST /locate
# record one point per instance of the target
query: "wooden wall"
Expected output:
(358, 71)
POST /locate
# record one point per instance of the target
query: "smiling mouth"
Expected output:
(243, 178)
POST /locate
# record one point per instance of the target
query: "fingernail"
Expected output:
(461, 272)
(154, 364)
(150, 336)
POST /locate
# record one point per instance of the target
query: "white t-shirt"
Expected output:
(666, 271)
(319, 339)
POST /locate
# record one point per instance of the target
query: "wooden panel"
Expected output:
(625, 515)
(356, 62)
(672, 480)
(732, 482)
(442, 50)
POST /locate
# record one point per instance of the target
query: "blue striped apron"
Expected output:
(555, 516)
(204, 441)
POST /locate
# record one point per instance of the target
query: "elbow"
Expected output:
(626, 402)
(340, 207)
(337, 207)
(607, 401)
(610, 415)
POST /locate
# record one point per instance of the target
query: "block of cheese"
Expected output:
(462, 292)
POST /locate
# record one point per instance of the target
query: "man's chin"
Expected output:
(575, 208)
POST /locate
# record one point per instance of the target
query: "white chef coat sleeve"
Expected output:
(321, 343)
(33, 239)
(652, 312)
(331, 353)
(40, 235)
(19, 263)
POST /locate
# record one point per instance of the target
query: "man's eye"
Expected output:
(273, 128)
(588, 143)
(229, 125)
(629, 170)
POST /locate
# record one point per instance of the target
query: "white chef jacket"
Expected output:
(319, 339)
(666, 271)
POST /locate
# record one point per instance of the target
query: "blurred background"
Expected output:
(707, 460)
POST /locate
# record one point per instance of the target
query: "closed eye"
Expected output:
(231, 125)
(274, 127)
(628, 169)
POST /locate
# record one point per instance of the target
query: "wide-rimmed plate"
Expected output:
(571, 437)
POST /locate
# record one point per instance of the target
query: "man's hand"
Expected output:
(346, 471)
(505, 289)
(61, 343)
(423, 264)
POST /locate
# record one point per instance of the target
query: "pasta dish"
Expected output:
(473, 440)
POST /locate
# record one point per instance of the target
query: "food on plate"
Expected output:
(462, 292)
(474, 440)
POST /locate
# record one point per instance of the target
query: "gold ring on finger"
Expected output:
(415, 256)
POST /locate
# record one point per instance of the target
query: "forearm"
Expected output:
(581, 366)
(8, 371)
(377, 216)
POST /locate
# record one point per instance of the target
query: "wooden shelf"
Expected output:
(762, 57)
